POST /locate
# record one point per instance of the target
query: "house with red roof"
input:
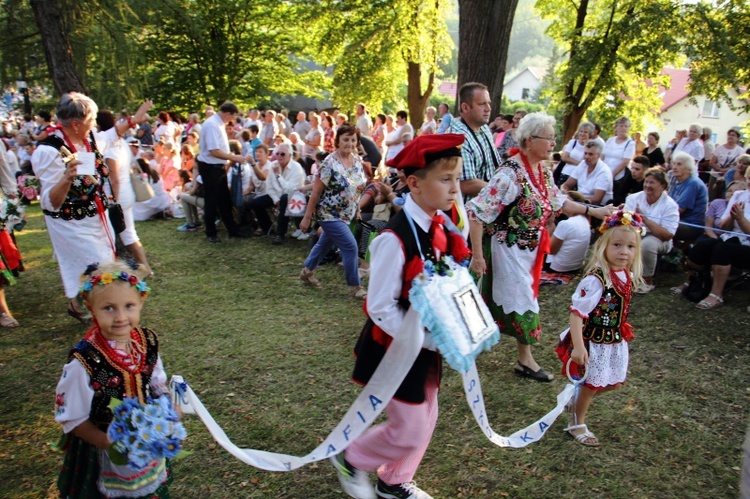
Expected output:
(678, 112)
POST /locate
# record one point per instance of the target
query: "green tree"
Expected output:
(718, 50)
(610, 45)
(374, 47)
(209, 51)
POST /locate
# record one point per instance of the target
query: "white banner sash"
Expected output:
(369, 404)
(366, 408)
(532, 433)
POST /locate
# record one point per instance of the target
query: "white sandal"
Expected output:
(680, 290)
(586, 435)
(704, 305)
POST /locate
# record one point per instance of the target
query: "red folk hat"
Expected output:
(425, 149)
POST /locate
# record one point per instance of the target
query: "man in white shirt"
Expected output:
(661, 217)
(212, 163)
(569, 242)
(251, 118)
(364, 123)
(592, 177)
(285, 177)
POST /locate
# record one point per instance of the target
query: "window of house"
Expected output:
(710, 109)
(525, 94)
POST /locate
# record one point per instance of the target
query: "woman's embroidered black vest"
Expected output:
(519, 223)
(80, 202)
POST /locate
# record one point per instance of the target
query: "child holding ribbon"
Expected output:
(432, 165)
(116, 358)
(599, 333)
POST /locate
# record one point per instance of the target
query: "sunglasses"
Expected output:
(281, 154)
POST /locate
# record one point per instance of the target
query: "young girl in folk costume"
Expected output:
(599, 333)
(116, 358)
(432, 165)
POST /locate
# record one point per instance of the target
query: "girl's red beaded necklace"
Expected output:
(623, 288)
(137, 358)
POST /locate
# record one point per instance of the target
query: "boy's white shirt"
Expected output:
(387, 261)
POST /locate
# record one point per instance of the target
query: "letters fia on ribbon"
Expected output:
(368, 405)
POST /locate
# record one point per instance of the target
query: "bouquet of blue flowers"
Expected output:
(142, 433)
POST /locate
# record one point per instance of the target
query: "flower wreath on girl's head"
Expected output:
(622, 218)
(105, 278)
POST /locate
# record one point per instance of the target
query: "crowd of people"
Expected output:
(339, 180)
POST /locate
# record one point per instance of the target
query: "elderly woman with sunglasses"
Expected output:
(334, 204)
(73, 199)
(508, 224)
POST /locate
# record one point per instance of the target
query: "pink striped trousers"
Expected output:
(396, 447)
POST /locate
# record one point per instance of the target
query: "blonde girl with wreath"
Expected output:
(598, 337)
(117, 358)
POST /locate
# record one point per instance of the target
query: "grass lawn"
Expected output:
(271, 360)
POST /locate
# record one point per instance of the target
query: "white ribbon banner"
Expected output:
(368, 406)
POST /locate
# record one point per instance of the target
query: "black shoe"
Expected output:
(82, 317)
(407, 490)
(213, 239)
(526, 372)
(277, 240)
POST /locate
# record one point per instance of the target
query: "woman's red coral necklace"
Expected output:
(539, 182)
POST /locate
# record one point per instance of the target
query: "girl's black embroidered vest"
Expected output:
(609, 315)
(110, 380)
(370, 352)
(80, 202)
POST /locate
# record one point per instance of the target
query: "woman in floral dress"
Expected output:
(512, 212)
(333, 203)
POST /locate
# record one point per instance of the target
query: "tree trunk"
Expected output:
(483, 39)
(571, 120)
(56, 45)
(417, 99)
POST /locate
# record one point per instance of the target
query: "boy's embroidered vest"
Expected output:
(108, 379)
(607, 323)
(373, 342)
(80, 200)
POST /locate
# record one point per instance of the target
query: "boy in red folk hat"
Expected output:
(432, 165)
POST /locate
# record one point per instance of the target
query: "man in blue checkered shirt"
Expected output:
(481, 159)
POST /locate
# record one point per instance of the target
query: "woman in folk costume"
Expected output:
(433, 167)
(75, 206)
(508, 222)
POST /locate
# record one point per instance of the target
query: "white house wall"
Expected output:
(683, 113)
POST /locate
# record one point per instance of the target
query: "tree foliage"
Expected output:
(374, 47)
(719, 49)
(209, 51)
(611, 45)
